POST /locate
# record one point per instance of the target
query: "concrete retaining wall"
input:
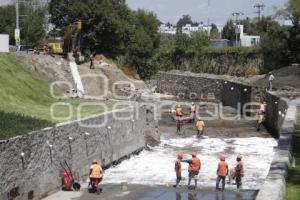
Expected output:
(275, 113)
(281, 118)
(207, 87)
(37, 173)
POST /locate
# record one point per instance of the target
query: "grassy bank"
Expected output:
(25, 101)
(293, 183)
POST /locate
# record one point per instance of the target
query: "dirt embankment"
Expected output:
(284, 77)
(56, 70)
(52, 69)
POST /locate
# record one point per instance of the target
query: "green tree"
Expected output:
(291, 12)
(214, 32)
(31, 23)
(143, 43)
(107, 24)
(7, 21)
(34, 31)
(199, 41)
(228, 31)
(184, 20)
(59, 10)
(274, 45)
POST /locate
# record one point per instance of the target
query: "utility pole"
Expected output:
(208, 19)
(237, 23)
(260, 8)
(17, 29)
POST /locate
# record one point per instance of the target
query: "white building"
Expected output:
(248, 40)
(189, 29)
(166, 29)
(4, 43)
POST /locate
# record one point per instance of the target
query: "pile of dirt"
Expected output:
(284, 77)
(131, 73)
(52, 69)
(100, 59)
(117, 79)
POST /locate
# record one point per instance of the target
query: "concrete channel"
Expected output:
(150, 174)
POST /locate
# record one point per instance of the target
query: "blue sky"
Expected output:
(218, 12)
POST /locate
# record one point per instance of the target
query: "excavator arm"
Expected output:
(72, 37)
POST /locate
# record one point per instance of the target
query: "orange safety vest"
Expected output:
(178, 166)
(193, 108)
(195, 165)
(200, 125)
(96, 171)
(222, 168)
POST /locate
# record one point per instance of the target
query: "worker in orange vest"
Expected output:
(178, 168)
(239, 171)
(222, 172)
(193, 112)
(200, 127)
(96, 174)
(194, 168)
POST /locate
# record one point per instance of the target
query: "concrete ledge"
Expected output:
(274, 187)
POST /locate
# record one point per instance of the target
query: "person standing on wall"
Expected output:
(271, 79)
(194, 168)
(222, 172)
(178, 168)
(200, 127)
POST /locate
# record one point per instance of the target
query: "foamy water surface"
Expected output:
(156, 167)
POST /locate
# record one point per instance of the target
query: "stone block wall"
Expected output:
(197, 86)
(37, 173)
(275, 113)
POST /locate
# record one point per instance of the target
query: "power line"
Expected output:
(260, 8)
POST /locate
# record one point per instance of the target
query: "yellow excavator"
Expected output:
(71, 42)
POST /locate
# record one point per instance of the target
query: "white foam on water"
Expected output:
(156, 167)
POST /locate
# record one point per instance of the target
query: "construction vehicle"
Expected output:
(56, 47)
(72, 41)
(70, 47)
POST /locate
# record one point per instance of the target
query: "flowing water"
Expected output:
(156, 167)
